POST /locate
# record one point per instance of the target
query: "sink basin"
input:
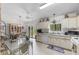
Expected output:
(75, 40)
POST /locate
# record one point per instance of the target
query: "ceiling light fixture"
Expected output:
(45, 5)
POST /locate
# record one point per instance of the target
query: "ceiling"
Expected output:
(61, 8)
(31, 9)
(26, 11)
(57, 8)
(34, 12)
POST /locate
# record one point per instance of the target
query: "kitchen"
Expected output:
(30, 24)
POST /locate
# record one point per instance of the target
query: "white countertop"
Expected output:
(51, 34)
(15, 45)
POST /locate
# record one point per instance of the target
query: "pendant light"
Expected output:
(54, 21)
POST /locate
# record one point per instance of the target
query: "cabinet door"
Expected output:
(69, 44)
(72, 22)
(51, 41)
(78, 22)
(69, 22)
(44, 39)
(40, 39)
(66, 43)
(65, 23)
(58, 40)
(63, 43)
(43, 25)
(55, 41)
(60, 43)
(78, 50)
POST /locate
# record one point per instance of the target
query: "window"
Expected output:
(52, 27)
(58, 27)
(55, 27)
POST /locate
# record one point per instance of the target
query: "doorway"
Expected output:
(31, 32)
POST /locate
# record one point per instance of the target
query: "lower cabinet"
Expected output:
(39, 39)
(54, 40)
(61, 42)
(78, 49)
(43, 39)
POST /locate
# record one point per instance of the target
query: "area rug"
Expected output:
(56, 48)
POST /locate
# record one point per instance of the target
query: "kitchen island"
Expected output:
(60, 40)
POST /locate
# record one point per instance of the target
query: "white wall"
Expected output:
(67, 23)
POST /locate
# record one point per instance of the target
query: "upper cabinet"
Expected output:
(69, 22)
(43, 25)
(78, 22)
(72, 22)
(65, 23)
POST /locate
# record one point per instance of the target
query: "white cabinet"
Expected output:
(69, 22)
(39, 38)
(43, 38)
(78, 50)
(61, 42)
(67, 43)
(43, 25)
(65, 23)
(78, 22)
(55, 41)
(72, 22)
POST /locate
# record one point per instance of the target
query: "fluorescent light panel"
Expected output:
(46, 5)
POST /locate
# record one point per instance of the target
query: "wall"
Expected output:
(10, 14)
(30, 24)
(67, 23)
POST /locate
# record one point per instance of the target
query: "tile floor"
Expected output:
(41, 49)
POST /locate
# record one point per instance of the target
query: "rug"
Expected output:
(56, 48)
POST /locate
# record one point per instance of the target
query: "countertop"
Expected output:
(15, 45)
(62, 36)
